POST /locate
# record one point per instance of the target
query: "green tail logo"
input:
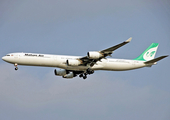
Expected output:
(149, 53)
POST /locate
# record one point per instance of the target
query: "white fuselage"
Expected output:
(46, 60)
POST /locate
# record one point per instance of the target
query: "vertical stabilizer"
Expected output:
(149, 53)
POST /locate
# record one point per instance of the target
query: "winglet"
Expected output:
(129, 39)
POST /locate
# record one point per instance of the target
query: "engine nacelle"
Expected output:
(70, 75)
(60, 72)
(94, 55)
(73, 62)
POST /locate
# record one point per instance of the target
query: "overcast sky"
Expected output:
(74, 27)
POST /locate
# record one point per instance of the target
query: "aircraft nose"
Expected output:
(4, 58)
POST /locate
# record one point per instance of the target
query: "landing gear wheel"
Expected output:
(16, 68)
(81, 75)
(84, 77)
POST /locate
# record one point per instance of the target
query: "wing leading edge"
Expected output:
(111, 49)
(106, 52)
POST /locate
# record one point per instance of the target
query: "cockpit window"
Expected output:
(7, 55)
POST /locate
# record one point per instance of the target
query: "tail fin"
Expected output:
(149, 53)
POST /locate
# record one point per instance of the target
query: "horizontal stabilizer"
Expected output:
(155, 60)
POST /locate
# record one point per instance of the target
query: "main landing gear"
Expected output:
(83, 75)
(88, 71)
(16, 68)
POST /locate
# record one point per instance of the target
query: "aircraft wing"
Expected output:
(104, 53)
(111, 49)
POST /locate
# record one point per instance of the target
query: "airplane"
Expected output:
(72, 66)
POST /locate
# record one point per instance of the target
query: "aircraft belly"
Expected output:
(34, 61)
(118, 66)
(76, 68)
(97, 67)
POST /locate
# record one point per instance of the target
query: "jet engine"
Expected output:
(73, 62)
(94, 55)
(70, 75)
(60, 72)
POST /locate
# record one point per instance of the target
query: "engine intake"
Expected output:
(94, 55)
(60, 72)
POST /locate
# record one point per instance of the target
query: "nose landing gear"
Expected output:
(16, 68)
